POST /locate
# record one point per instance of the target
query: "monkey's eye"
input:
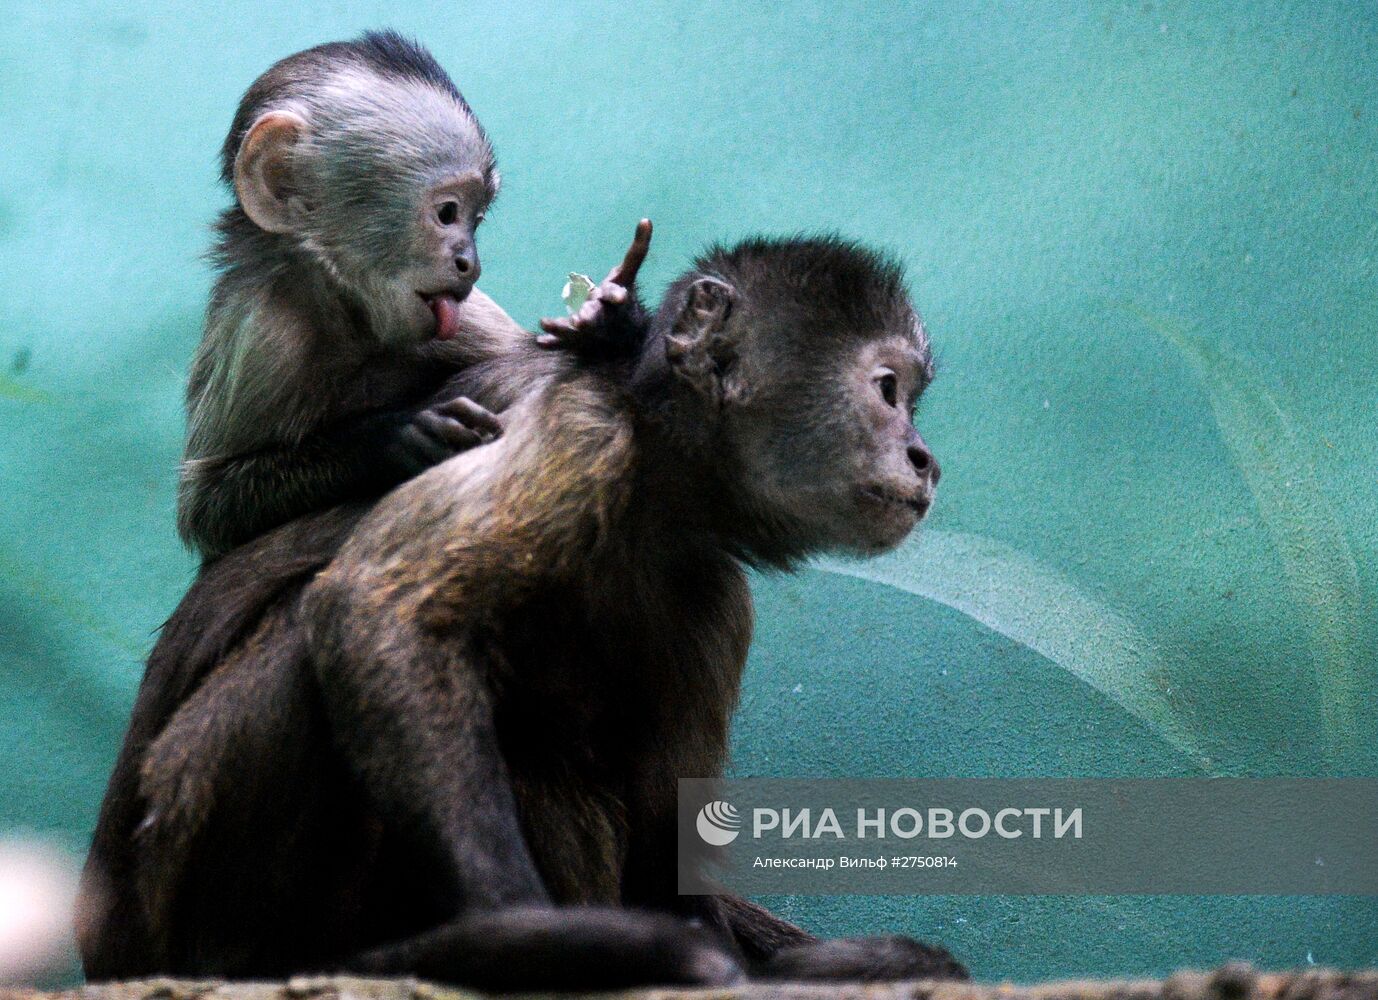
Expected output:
(448, 213)
(889, 386)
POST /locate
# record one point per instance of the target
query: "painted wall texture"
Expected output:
(1145, 238)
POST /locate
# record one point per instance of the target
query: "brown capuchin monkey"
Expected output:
(447, 744)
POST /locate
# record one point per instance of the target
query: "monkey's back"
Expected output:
(233, 839)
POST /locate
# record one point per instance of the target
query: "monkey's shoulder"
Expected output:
(561, 475)
(514, 513)
(583, 417)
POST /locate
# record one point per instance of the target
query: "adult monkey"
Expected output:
(481, 706)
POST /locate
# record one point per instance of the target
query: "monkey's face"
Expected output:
(885, 469)
(437, 263)
(406, 245)
(807, 360)
(836, 450)
(383, 180)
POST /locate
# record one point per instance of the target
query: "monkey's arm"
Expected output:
(262, 448)
(227, 501)
(398, 617)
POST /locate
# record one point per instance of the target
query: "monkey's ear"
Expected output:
(698, 347)
(265, 178)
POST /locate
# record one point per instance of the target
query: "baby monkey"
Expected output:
(346, 294)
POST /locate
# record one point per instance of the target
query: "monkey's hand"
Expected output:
(612, 322)
(441, 431)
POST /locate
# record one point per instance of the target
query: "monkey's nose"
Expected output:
(923, 461)
(466, 263)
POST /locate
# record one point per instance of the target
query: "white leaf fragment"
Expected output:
(576, 291)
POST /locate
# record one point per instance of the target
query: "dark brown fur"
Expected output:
(479, 706)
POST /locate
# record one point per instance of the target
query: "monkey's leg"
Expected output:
(414, 719)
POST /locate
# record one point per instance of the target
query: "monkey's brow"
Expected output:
(921, 357)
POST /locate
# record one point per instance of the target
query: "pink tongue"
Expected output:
(446, 311)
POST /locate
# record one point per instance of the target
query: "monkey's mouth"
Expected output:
(444, 306)
(918, 503)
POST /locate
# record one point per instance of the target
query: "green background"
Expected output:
(1144, 236)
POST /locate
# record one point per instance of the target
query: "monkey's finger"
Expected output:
(579, 322)
(558, 328)
(561, 335)
(460, 437)
(448, 430)
(421, 448)
(614, 294)
(588, 312)
(625, 273)
(465, 410)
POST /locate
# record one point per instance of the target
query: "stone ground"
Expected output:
(1230, 982)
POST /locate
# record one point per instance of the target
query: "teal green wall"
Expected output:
(1144, 235)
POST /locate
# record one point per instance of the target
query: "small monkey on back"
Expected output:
(346, 295)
